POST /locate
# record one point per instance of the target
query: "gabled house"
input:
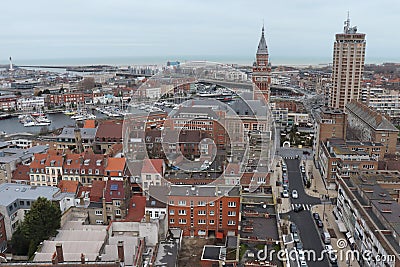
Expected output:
(153, 171)
(115, 169)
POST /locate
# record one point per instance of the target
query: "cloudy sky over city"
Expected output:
(296, 31)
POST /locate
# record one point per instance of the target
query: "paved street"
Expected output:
(309, 233)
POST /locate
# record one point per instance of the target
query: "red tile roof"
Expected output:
(116, 164)
(68, 186)
(136, 209)
(37, 161)
(94, 162)
(153, 166)
(72, 161)
(96, 193)
(114, 190)
(21, 173)
(114, 149)
(44, 160)
(109, 129)
(90, 124)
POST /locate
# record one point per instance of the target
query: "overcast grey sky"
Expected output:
(296, 31)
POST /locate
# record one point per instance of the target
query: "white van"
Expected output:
(326, 237)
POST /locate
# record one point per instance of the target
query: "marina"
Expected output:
(57, 120)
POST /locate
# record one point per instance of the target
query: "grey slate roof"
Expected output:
(262, 45)
(372, 118)
(86, 133)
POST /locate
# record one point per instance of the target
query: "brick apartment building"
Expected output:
(330, 123)
(204, 210)
(366, 124)
(340, 158)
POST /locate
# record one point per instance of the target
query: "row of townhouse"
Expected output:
(9, 102)
(49, 169)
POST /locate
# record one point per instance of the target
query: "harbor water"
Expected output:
(58, 120)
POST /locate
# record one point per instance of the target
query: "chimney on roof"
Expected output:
(54, 258)
(60, 254)
(82, 258)
(120, 246)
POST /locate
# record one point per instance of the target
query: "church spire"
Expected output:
(262, 45)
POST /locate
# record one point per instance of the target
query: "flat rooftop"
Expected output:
(9, 193)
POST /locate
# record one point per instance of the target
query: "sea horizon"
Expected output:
(162, 60)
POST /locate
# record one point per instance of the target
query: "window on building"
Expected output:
(118, 212)
(212, 221)
(231, 222)
(171, 212)
(231, 204)
(201, 212)
(99, 221)
(212, 204)
(117, 203)
(182, 203)
(182, 221)
(231, 213)
(201, 203)
(171, 221)
(202, 221)
(148, 177)
(182, 212)
(212, 212)
(98, 212)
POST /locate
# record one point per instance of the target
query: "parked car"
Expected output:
(296, 237)
(295, 194)
(285, 193)
(328, 248)
(298, 207)
(319, 223)
(316, 216)
(299, 245)
(285, 186)
(301, 255)
(332, 257)
(326, 238)
(293, 228)
(303, 264)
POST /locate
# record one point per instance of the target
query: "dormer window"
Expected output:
(86, 162)
(98, 162)
(52, 162)
(69, 162)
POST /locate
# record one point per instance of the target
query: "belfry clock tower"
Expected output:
(262, 71)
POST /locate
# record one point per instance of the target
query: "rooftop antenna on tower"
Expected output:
(11, 65)
(347, 23)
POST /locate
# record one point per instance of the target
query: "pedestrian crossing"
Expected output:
(305, 206)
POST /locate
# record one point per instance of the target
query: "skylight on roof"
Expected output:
(114, 187)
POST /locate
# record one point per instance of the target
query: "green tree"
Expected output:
(19, 243)
(41, 222)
